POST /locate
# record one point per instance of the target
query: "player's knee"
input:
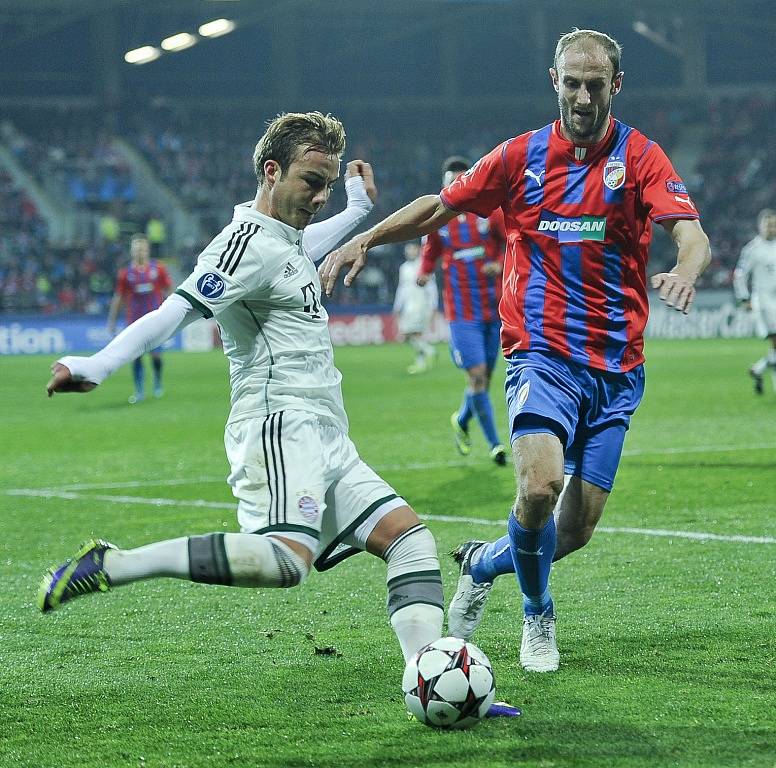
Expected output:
(540, 492)
(478, 378)
(413, 570)
(250, 560)
(291, 565)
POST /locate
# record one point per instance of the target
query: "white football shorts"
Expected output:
(298, 475)
(415, 319)
(764, 317)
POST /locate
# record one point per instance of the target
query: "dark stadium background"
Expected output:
(413, 82)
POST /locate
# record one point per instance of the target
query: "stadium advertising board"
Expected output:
(57, 335)
(714, 315)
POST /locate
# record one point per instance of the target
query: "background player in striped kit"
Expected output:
(579, 198)
(304, 495)
(472, 253)
(758, 265)
(142, 286)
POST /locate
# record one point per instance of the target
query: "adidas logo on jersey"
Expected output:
(290, 270)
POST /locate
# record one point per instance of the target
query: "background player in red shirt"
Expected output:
(472, 253)
(579, 197)
(142, 286)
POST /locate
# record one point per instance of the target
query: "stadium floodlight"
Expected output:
(179, 42)
(217, 27)
(142, 55)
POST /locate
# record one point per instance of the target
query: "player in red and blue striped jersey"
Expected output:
(142, 287)
(472, 252)
(579, 198)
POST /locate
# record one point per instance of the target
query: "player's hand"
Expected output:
(492, 268)
(422, 279)
(352, 253)
(676, 290)
(64, 381)
(364, 170)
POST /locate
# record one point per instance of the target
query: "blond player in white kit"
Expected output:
(754, 283)
(304, 495)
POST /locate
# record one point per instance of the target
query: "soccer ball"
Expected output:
(449, 684)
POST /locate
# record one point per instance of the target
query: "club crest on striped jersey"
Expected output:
(308, 507)
(211, 285)
(572, 229)
(614, 173)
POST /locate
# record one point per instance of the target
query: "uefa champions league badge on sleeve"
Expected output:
(211, 285)
(614, 173)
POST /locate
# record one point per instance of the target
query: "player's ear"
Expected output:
(554, 78)
(272, 171)
(617, 83)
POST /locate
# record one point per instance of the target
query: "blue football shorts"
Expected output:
(474, 343)
(588, 409)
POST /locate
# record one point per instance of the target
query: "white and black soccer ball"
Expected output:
(449, 684)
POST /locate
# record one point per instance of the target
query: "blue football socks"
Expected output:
(483, 410)
(532, 553)
(491, 560)
(465, 411)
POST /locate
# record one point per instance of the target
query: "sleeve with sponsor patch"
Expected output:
(227, 270)
(482, 188)
(663, 192)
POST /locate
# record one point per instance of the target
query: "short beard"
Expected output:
(565, 117)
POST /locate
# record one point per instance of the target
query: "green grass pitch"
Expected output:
(667, 642)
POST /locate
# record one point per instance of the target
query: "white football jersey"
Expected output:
(412, 298)
(264, 291)
(758, 262)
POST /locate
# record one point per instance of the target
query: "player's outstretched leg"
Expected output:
(228, 559)
(415, 599)
(79, 575)
(468, 604)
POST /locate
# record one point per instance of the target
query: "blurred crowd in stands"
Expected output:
(209, 168)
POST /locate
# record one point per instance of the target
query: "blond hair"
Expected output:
(290, 131)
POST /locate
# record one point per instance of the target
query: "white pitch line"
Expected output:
(161, 482)
(166, 481)
(49, 493)
(161, 502)
(699, 449)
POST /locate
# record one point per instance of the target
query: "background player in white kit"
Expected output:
(758, 266)
(415, 306)
(304, 495)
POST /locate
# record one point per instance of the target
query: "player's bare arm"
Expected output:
(420, 217)
(677, 287)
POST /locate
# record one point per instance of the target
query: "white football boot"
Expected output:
(468, 604)
(539, 650)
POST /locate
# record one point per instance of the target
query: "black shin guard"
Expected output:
(208, 563)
